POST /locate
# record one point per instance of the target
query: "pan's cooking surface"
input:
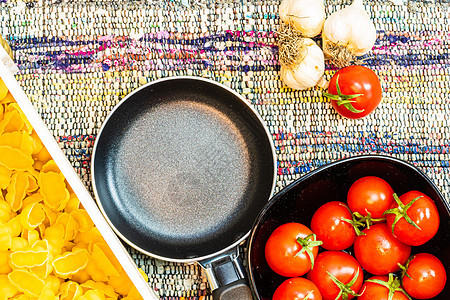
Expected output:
(183, 151)
(182, 170)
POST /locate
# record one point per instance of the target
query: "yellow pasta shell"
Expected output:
(109, 254)
(26, 125)
(5, 268)
(53, 189)
(17, 190)
(91, 236)
(12, 121)
(14, 226)
(81, 276)
(12, 139)
(95, 272)
(37, 143)
(106, 289)
(121, 283)
(5, 212)
(27, 282)
(93, 295)
(55, 237)
(5, 238)
(18, 243)
(7, 290)
(3, 87)
(103, 262)
(38, 165)
(34, 198)
(18, 140)
(70, 226)
(70, 263)
(47, 294)
(50, 166)
(32, 216)
(43, 155)
(28, 258)
(53, 282)
(5, 177)
(8, 99)
(50, 216)
(32, 182)
(42, 271)
(70, 290)
(82, 217)
(72, 204)
(32, 236)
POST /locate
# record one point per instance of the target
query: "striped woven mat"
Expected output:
(77, 59)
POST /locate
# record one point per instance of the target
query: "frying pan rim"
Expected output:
(104, 124)
(293, 184)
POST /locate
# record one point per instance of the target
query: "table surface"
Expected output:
(77, 59)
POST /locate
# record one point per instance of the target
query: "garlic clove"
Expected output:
(283, 10)
(307, 16)
(289, 80)
(337, 30)
(348, 32)
(362, 38)
(309, 71)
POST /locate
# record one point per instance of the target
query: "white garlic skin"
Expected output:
(307, 73)
(307, 16)
(351, 27)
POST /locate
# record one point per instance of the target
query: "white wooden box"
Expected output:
(6, 68)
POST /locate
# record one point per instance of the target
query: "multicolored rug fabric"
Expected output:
(77, 59)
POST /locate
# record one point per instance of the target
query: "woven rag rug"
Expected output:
(77, 59)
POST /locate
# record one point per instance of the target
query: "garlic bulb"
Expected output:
(307, 16)
(347, 33)
(308, 70)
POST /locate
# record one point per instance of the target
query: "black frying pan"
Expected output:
(181, 168)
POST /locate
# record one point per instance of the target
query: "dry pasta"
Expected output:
(49, 246)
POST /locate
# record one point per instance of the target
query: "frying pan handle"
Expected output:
(226, 276)
(236, 290)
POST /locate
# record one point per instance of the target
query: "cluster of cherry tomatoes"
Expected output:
(374, 231)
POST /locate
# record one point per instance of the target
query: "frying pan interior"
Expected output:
(182, 167)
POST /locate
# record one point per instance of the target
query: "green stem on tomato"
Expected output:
(401, 211)
(393, 285)
(342, 99)
(308, 243)
(345, 289)
(359, 221)
(404, 268)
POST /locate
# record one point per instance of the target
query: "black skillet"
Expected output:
(181, 168)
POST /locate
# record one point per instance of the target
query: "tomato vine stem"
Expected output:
(401, 211)
(308, 243)
(342, 99)
(345, 289)
(393, 285)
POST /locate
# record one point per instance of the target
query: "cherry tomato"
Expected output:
(329, 226)
(423, 213)
(358, 94)
(284, 253)
(381, 287)
(297, 288)
(379, 252)
(428, 276)
(347, 273)
(370, 194)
